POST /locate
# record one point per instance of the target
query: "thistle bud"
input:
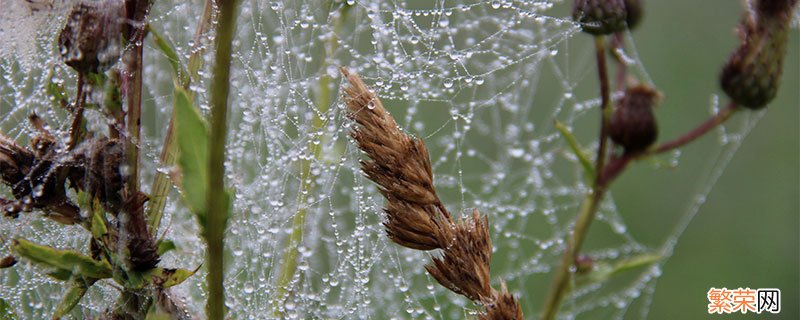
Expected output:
(91, 38)
(633, 125)
(599, 17)
(635, 11)
(752, 74)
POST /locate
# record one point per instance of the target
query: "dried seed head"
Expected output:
(464, 265)
(635, 12)
(91, 38)
(584, 264)
(752, 74)
(599, 17)
(633, 125)
(505, 307)
(8, 262)
(401, 167)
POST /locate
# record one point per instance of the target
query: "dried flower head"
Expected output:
(415, 217)
(752, 74)
(633, 125)
(401, 167)
(91, 38)
(464, 265)
(504, 307)
(599, 17)
(634, 13)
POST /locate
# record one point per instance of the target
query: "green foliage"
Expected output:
(65, 263)
(180, 76)
(192, 137)
(165, 246)
(588, 167)
(6, 312)
(604, 270)
(74, 294)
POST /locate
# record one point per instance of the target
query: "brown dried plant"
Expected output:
(415, 216)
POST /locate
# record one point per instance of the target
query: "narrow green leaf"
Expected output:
(179, 72)
(604, 270)
(6, 312)
(65, 262)
(634, 262)
(99, 228)
(74, 294)
(588, 168)
(165, 246)
(191, 133)
(165, 278)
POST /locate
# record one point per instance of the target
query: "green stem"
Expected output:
(323, 100)
(217, 203)
(558, 287)
(161, 184)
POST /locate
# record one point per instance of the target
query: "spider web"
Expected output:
(480, 81)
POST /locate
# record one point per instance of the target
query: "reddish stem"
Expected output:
(699, 131)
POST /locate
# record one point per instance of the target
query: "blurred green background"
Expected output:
(747, 233)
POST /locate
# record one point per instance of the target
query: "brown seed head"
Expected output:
(505, 307)
(464, 265)
(633, 125)
(752, 74)
(90, 40)
(599, 17)
(635, 12)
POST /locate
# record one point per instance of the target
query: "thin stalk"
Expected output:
(617, 165)
(700, 130)
(605, 96)
(161, 184)
(307, 185)
(558, 287)
(133, 94)
(217, 203)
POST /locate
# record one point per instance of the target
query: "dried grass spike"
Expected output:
(506, 307)
(464, 265)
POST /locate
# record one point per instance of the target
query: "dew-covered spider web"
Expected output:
(480, 81)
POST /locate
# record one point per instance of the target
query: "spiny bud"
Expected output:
(599, 17)
(752, 75)
(90, 40)
(633, 125)
(635, 11)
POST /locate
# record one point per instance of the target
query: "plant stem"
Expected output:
(323, 100)
(699, 131)
(217, 203)
(161, 184)
(558, 287)
(605, 95)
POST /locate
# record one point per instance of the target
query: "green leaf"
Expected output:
(99, 228)
(191, 133)
(165, 278)
(74, 294)
(180, 76)
(6, 312)
(588, 168)
(604, 270)
(165, 246)
(57, 92)
(66, 263)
